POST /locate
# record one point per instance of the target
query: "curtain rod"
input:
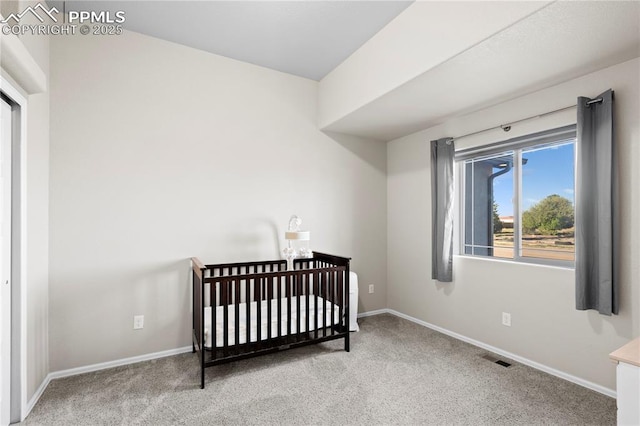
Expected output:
(507, 127)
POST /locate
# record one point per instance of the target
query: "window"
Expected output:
(518, 199)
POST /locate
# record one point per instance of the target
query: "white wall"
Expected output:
(423, 36)
(37, 213)
(546, 328)
(160, 152)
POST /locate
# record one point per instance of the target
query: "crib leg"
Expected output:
(346, 342)
(193, 348)
(202, 352)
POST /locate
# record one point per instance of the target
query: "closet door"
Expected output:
(5, 261)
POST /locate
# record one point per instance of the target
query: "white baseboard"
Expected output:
(118, 362)
(372, 313)
(98, 367)
(36, 396)
(561, 374)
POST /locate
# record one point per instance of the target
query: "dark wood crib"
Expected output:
(247, 309)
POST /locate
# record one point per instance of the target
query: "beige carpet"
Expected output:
(396, 373)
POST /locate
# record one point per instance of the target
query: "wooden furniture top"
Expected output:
(197, 263)
(629, 353)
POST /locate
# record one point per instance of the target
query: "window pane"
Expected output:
(488, 198)
(548, 202)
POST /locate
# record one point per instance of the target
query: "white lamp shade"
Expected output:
(298, 235)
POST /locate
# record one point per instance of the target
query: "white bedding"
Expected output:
(322, 319)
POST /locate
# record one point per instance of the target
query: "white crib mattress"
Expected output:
(304, 326)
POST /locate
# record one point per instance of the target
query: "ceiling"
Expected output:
(560, 42)
(304, 38)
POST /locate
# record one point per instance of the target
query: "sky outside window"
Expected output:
(549, 170)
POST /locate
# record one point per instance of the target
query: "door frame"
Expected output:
(18, 250)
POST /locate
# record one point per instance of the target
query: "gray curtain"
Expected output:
(442, 152)
(596, 193)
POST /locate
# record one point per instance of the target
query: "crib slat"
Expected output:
(289, 290)
(299, 279)
(279, 294)
(259, 310)
(247, 319)
(332, 283)
(316, 290)
(225, 317)
(269, 298)
(319, 302)
(339, 297)
(306, 295)
(324, 303)
(236, 306)
(213, 304)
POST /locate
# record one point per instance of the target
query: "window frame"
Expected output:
(517, 145)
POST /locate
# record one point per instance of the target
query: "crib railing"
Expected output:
(265, 290)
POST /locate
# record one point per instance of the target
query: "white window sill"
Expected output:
(514, 262)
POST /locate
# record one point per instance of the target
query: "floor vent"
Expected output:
(490, 358)
(496, 360)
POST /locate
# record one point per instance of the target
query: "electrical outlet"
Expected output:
(506, 319)
(370, 288)
(138, 322)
